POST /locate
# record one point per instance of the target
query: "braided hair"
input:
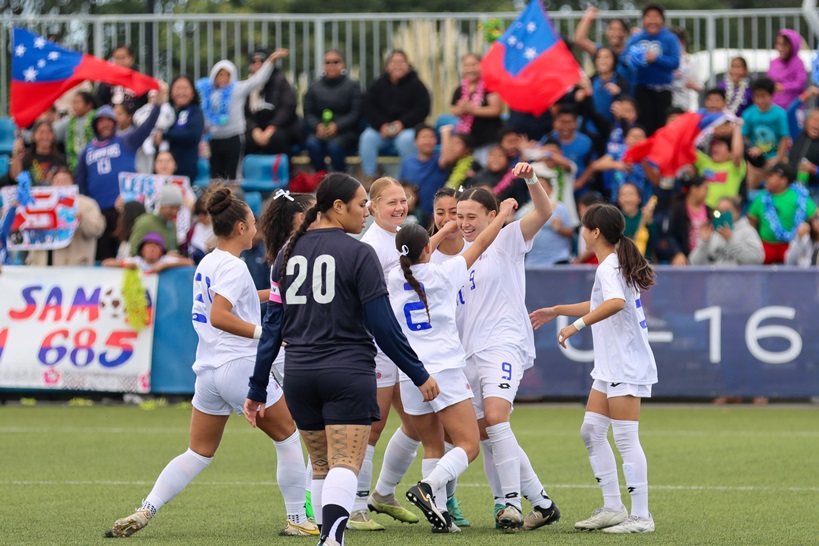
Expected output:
(333, 187)
(410, 242)
(277, 221)
(611, 223)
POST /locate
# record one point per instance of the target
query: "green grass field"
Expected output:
(738, 475)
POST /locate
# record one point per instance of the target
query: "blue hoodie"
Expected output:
(99, 164)
(666, 46)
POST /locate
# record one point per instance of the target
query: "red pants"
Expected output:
(774, 252)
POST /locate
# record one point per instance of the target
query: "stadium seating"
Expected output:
(265, 173)
(254, 201)
(202, 173)
(7, 129)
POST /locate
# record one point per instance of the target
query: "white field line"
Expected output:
(552, 486)
(519, 432)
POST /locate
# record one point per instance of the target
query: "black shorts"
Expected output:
(331, 397)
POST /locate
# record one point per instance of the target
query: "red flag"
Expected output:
(530, 67)
(670, 147)
(42, 71)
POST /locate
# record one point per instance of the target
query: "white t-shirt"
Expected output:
(223, 273)
(435, 338)
(621, 350)
(494, 298)
(383, 242)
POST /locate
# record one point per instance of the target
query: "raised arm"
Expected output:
(581, 33)
(542, 211)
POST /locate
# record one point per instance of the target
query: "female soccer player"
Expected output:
(423, 300)
(624, 368)
(328, 303)
(445, 209)
(499, 343)
(388, 203)
(226, 316)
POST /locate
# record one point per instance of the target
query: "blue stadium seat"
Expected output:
(202, 173)
(7, 129)
(265, 173)
(4, 164)
(254, 201)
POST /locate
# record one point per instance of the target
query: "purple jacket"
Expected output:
(790, 74)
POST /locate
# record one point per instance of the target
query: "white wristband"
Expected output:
(531, 181)
(257, 333)
(579, 324)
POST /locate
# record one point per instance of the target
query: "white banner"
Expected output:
(65, 328)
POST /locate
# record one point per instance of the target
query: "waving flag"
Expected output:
(530, 67)
(674, 145)
(41, 71)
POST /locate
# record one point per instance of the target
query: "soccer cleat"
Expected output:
(634, 524)
(602, 518)
(360, 520)
(509, 517)
(327, 541)
(539, 517)
(495, 510)
(454, 509)
(421, 496)
(306, 529)
(450, 528)
(126, 527)
(388, 504)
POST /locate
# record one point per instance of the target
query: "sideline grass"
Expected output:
(736, 475)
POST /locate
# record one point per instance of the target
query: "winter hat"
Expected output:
(170, 196)
(152, 237)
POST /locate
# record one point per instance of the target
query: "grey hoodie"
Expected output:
(236, 111)
(743, 248)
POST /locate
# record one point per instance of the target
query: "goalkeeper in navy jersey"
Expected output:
(327, 303)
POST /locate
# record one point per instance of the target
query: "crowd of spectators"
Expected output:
(749, 198)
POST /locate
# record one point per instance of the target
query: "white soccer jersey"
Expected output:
(383, 242)
(223, 273)
(439, 257)
(494, 298)
(621, 350)
(435, 338)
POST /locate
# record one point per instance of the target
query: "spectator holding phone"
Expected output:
(728, 239)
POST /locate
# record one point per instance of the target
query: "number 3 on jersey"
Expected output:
(324, 279)
(417, 305)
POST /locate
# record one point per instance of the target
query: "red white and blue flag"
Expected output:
(41, 71)
(674, 145)
(530, 67)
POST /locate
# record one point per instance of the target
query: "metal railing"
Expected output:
(168, 45)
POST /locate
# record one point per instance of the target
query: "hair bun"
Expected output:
(219, 201)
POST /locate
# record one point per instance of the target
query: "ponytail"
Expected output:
(404, 261)
(633, 265)
(309, 217)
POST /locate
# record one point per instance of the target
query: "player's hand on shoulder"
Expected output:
(523, 170)
(252, 408)
(430, 389)
(542, 316)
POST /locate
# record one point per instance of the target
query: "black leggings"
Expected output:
(652, 107)
(225, 155)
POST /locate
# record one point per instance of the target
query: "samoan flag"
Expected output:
(530, 66)
(674, 145)
(41, 71)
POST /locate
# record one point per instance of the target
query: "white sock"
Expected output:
(594, 432)
(530, 485)
(316, 490)
(338, 495)
(308, 478)
(365, 478)
(507, 461)
(398, 458)
(428, 466)
(635, 467)
(175, 477)
(290, 475)
(452, 484)
(449, 467)
(491, 471)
